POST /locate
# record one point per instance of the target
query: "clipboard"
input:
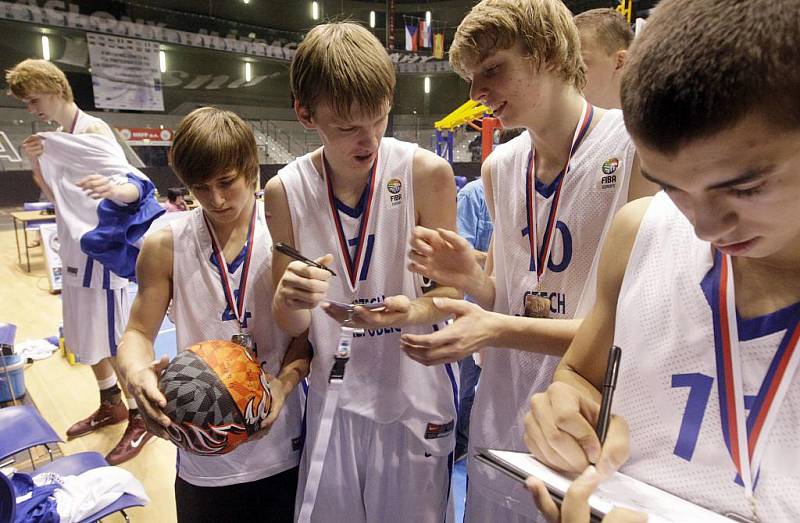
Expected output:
(619, 490)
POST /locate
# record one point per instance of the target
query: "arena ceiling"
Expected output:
(294, 16)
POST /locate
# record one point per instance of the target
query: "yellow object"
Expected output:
(468, 112)
(625, 8)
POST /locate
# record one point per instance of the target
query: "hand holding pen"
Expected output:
(304, 283)
(568, 429)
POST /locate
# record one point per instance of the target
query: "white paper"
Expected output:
(125, 73)
(618, 491)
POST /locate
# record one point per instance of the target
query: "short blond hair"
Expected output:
(33, 76)
(342, 64)
(210, 142)
(544, 28)
(607, 27)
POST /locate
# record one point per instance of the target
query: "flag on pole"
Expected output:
(438, 46)
(424, 34)
(412, 32)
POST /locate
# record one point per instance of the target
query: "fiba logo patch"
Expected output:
(609, 179)
(395, 186)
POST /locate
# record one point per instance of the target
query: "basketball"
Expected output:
(217, 397)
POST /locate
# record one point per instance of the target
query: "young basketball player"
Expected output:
(605, 38)
(707, 310)
(103, 207)
(352, 204)
(551, 193)
(214, 155)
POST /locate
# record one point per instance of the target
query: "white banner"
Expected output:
(125, 73)
(50, 246)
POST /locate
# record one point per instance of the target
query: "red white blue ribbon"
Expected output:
(236, 306)
(541, 255)
(746, 435)
(74, 122)
(352, 263)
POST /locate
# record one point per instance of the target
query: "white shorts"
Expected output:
(94, 321)
(377, 472)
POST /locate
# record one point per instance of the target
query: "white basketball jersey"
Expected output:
(201, 313)
(668, 384)
(88, 229)
(595, 187)
(381, 383)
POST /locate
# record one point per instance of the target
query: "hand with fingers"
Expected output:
(98, 187)
(143, 384)
(470, 332)
(444, 257)
(303, 286)
(560, 431)
(575, 507)
(277, 391)
(33, 146)
(396, 312)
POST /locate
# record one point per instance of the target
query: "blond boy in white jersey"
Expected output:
(88, 163)
(214, 154)
(351, 205)
(708, 401)
(563, 179)
(605, 38)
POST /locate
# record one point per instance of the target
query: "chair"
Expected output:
(81, 462)
(22, 428)
(68, 465)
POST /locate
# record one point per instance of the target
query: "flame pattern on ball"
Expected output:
(217, 396)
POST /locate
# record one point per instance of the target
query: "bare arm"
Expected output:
(445, 257)
(298, 288)
(135, 354)
(639, 187)
(560, 426)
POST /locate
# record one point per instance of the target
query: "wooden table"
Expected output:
(26, 218)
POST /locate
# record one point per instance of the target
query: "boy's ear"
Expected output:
(619, 59)
(304, 115)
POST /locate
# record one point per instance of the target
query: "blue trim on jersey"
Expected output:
(119, 227)
(359, 208)
(450, 464)
(87, 273)
(112, 338)
(754, 328)
(106, 278)
(232, 266)
(547, 190)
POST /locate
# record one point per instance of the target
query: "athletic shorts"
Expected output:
(94, 321)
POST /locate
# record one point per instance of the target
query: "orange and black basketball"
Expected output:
(217, 397)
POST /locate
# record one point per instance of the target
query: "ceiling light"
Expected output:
(372, 18)
(162, 61)
(248, 73)
(45, 48)
(427, 85)
(315, 10)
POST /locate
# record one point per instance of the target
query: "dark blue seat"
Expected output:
(22, 428)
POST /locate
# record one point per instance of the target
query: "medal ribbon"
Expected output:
(746, 436)
(222, 267)
(540, 256)
(74, 121)
(352, 264)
